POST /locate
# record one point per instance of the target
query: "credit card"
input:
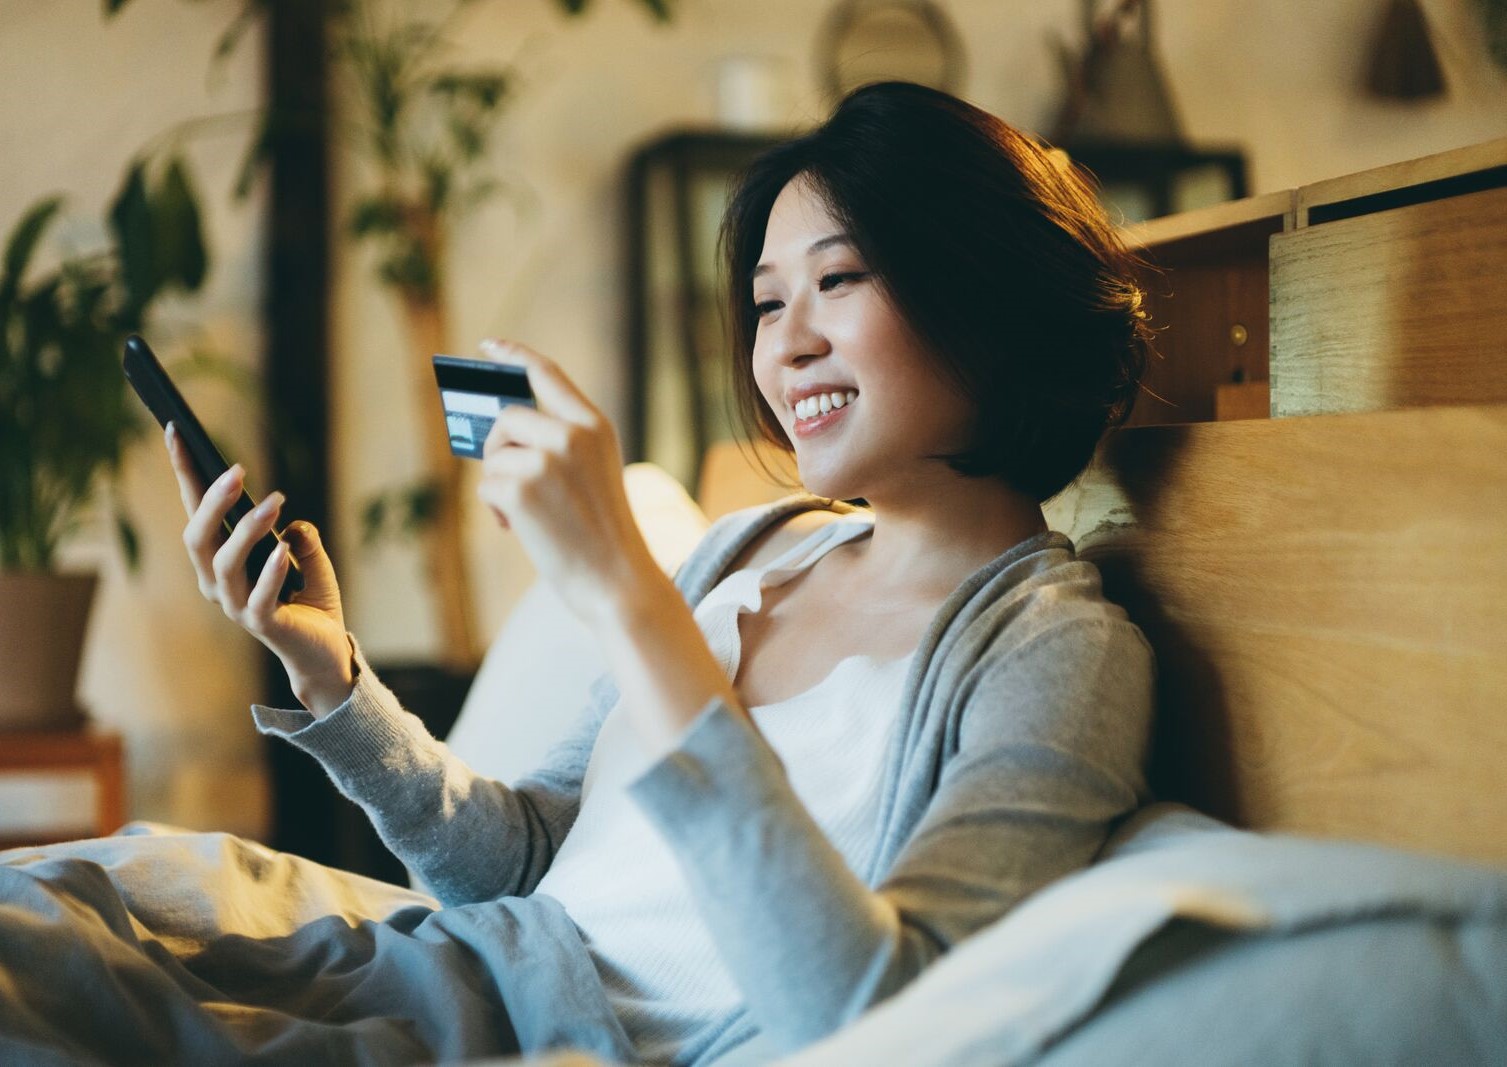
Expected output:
(473, 391)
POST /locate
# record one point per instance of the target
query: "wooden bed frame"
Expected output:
(1326, 592)
(1327, 598)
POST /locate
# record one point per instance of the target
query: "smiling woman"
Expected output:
(843, 740)
(828, 330)
(1020, 294)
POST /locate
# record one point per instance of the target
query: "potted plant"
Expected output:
(423, 125)
(66, 418)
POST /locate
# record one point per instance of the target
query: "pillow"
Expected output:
(1191, 942)
(539, 668)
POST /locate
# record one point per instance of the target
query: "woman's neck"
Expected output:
(928, 539)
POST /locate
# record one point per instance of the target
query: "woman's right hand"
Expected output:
(308, 635)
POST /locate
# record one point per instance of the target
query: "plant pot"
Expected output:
(42, 623)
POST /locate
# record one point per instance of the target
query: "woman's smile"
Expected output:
(816, 412)
(825, 323)
(819, 423)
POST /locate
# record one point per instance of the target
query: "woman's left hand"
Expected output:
(554, 475)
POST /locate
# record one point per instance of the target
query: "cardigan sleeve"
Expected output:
(468, 837)
(1049, 756)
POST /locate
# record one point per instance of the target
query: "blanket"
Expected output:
(1187, 943)
(160, 946)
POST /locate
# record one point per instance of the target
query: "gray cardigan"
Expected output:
(1021, 742)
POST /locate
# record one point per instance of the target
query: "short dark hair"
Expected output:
(1001, 260)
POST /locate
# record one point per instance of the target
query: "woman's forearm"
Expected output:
(658, 656)
(470, 838)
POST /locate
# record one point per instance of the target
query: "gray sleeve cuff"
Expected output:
(357, 734)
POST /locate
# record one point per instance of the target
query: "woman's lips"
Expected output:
(809, 427)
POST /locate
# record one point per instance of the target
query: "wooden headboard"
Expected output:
(1327, 598)
(1324, 575)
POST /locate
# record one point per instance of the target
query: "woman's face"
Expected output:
(827, 329)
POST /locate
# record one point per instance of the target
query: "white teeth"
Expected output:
(823, 403)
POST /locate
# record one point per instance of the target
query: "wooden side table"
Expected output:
(98, 753)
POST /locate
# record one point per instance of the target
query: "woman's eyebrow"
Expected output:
(816, 246)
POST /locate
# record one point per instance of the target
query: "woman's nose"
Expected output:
(797, 337)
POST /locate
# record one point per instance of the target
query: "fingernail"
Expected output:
(272, 503)
(503, 352)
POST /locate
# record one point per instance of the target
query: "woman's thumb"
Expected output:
(303, 540)
(307, 548)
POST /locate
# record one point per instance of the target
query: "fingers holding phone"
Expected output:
(206, 510)
(306, 633)
(189, 486)
(219, 559)
(229, 562)
(198, 460)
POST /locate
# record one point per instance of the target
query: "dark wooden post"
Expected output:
(296, 327)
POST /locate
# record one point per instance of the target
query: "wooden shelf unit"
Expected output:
(1208, 297)
(1390, 291)
(97, 753)
(1373, 291)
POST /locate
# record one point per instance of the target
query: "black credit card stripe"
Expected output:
(500, 380)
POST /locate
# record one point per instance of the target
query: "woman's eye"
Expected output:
(832, 281)
(764, 307)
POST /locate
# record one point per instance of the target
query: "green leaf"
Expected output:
(131, 219)
(478, 192)
(660, 9)
(178, 244)
(130, 540)
(258, 152)
(373, 520)
(375, 215)
(400, 513)
(485, 89)
(19, 248)
(437, 180)
(467, 137)
(422, 505)
(237, 29)
(408, 269)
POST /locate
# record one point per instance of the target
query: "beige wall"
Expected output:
(1281, 77)
(78, 97)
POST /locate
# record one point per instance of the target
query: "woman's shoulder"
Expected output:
(1054, 657)
(1047, 599)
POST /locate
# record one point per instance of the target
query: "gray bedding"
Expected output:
(1188, 943)
(157, 947)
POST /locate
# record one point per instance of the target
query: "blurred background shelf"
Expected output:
(99, 754)
(1372, 291)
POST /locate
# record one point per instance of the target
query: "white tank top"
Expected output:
(619, 881)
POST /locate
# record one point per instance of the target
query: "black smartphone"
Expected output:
(163, 400)
(472, 392)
